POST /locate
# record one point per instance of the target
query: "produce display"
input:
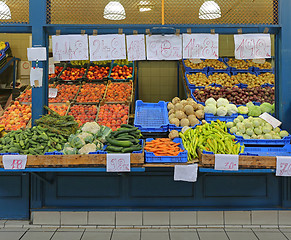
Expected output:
(83, 113)
(236, 95)
(255, 128)
(58, 70)
(256, 110)
(90, 92)
(210, 137)
(16, 116)
(252, 80)
(221, 107)
(25, 96)
(214, 63)
(163, 147)
(65, 93)
(72, 74)
(239, 64)
(121, 72)
(60, 109)
(96, 72)
(118, 92)
(122, 62)
(113, 115)
(185, 112)
(265, 65)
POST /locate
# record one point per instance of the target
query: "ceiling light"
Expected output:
(114, 11)
(209, 10)
(4, 11)
(145, 6)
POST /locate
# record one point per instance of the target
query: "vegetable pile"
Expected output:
(216, 64)
(163, 147)
(210, 137)
(255, 111)
(221, 107)
(255, 128)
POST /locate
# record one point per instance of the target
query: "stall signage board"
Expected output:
(70, 47)
(187, 173)
(15, 162)
(36, 54)
(283, 166)
(200, 46)
(107, 47)
(270, 119)
(118, 162)
(164, 47)
(252, 46)
(226, 162)
(135, 47)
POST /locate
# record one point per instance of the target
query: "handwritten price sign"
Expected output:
(252, 46)
(70, 47)
(200, 46)
(135, 47)
(118, 162)
(107, 47)
(283, 168)
(167, 47)
(15, 162)
(226, 162)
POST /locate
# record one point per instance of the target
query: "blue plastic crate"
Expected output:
(1, 154)
(259, 71)
(250, 69)
(7, 50)
(210, 117)
(150, 157)
(193, 86)
(192, 95)
(212, 69)
(188, 69)
(151, 117)
(268, 151)
(54, 153)
(284, 141)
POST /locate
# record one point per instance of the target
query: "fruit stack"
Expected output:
(91, 93)
(119, 92)
(83, 113)
(65, 93)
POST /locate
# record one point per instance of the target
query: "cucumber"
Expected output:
(133, 140)
(125, 130)
(131, 149)
(118, 143)
(128, 126)
(113, 149)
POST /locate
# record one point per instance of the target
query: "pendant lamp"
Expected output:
(114, 11)
(4, 11)
(209, 10)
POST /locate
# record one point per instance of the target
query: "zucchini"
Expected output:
(131, 149)
(113, 149)
(118, 143)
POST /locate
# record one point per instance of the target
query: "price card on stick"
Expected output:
(70, 47)
(252, 46)
(187, 173)
(283, 166)
(226, 162)
(107, 47)
(118, 162)
(135, 47)
(14, 161)
(53, 92)
(200, 46)
(164, 47)
(270, 119)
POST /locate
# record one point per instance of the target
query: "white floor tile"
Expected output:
(126, 235)
(11, 235)
(284, 217)
(183, 218)
(49, 218)
(101, 218)
(37, 236)
(287, 234)
(97, 235)
(237, 217)
(212, 235)
(74, 218)
(156, 218)
(128, 218)
(270, 235)
(67, 236)
(42, 229)
(184, 235)
(13, 229)
(238, 229)
(154, 235)
(242, 236)
(265, 217)
(210, 217)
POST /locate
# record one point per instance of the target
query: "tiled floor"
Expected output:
(144, 234)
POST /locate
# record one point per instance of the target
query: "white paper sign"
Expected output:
(51, 66)
(252, 46)
(167, 47)
(200, 46)
(70, 47)
(14, 161)
(53, 92)
(118, 162)
(226, 162)
(107, 47)
(36, 53)
(270, 119)
(36, 76)
(283, 166)
(187, 173)
(135, 47)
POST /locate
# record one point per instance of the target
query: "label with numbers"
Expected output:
(270, 119)
(252, 46)
(164, 47)
(14, 161)
(135, 47)
(107, 47)
(187, 173)
(283, 166)
(200, 46)
(70, 47)
(53, 92)
(118, 162)
(226, 162)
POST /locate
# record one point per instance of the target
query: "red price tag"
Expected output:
(14, 162)
(283, 168)
(118, 162)
(226, 162)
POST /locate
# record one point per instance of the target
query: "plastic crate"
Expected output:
(121, 80)
(3, 59)
(284, 141)
(7, 50)
(268, 151)
(212, 69)
(1, 154)
(259, 70)
(210, 117)
(250, 69)
(189, 69)
(72, 66)
(54, 153)
(193, 86)
(192, 95)
(150, 157)
(151, 117)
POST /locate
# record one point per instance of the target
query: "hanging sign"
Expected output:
(252, 46)
(270, 119)
(14, 161)
(70, 47)
(200, 46)
(187, 173)
(164, 47)
(36, 76)
(118, 162)
(135, 47)
(36, 54)
(107, 47)
(283, 166)
(226, 162)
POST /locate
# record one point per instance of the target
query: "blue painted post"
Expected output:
(37, 19)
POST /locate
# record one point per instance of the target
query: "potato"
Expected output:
(178, 107)
(193, 120)
(172, 116)
(188, 109)
(176, 100)
(175, 121)
(180, 115)
(170, 106)
(199, 114)
(171, 112)
(185, 122)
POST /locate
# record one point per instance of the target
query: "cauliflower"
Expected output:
(87, 137)
(210, 109)
(99, 144)
(231, 109)
(210, 101)
(90, 147)
(91, 127)
(76, 142)
(69, 150)
(222, 102)
(221, 111)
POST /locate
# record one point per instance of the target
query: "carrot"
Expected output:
(163, 147)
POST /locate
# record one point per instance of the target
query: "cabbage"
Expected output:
(229, 124)
(221, 111)
(250, 104)
(210, 109)
(243, 110)
(222, 102)
(254, 111)
(268, 125)
(266, 107)
(69, 150)
(76, 142)
(258, 131)
(231, 109)
(245, 136)
(239, 134)
(266, 129)
(241, 118)
(249, 131)
(233, 130)
(236, 121)
(210, 101)
(247, 123)
(268, 136)
(256, 123)
(276, 136)
(277, 130)
(254, 136)
(260, 137)
(284, 134)
(241, 128)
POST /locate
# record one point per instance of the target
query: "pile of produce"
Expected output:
(89, 138)
(65, 93)
(60, 109)
(216, 64)
(57, 72)
(72, 74)
(118, 92)
(83, 113)
(210, 137)
(124, 72)
(239, 64)
(96, 72)
(163, 147)
(236, 95)
(252, 80)
(255, 128)
(25, 96)
(91, 93)
(124, 140)
(265, 65)
(255, 111)
(184, 112)
(221, 107)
